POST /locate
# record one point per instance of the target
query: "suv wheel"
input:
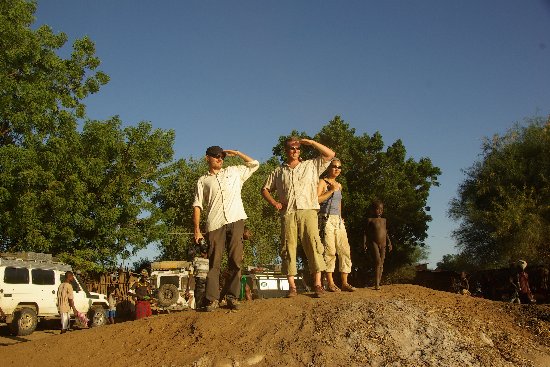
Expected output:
(24, 322)
(97, 316)
(168, 295)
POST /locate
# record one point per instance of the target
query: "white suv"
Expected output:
(169, 280)
(28, 292)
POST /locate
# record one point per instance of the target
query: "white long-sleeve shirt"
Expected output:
(219, 195)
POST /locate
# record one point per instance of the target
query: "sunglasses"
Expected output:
(218, 156)
(336, 167)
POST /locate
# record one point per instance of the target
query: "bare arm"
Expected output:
(196, 223)
(267, 196)
(388, 242)
(325, 151)
(236, 153)
(71, 303)
(322, 192)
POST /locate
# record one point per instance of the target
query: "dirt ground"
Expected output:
(401, 325)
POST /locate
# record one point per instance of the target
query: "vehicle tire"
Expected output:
(168, 295)
(24, 322)
(97, 316)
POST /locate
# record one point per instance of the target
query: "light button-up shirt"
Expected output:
(219, 195)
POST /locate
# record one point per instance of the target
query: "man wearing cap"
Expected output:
(295, 182)
(218, 193)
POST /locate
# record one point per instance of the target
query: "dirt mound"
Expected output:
(402, 325)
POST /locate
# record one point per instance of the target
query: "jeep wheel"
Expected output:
(168, 295)
(24, 322)
(97, 316)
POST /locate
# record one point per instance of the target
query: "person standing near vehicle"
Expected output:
(218, 193)
(65, 301)
(141, 291)
(295, 182)
(111, 298)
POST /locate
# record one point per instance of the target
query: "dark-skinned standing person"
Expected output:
(65, 301)
(295, 182)
(377, 239)
(141, 292)
(218, 194)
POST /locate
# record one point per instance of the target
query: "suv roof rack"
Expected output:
(170, 265)
(32, 259)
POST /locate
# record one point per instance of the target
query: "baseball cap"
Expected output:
(215, 151)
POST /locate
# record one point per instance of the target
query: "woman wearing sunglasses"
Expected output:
(332, 231)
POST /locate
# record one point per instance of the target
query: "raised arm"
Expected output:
(325, 151)
(236, 153)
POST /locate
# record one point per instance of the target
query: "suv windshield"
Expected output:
(82, 284)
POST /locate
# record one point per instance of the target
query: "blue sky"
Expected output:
(440, 75)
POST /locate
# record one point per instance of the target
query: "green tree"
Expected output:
(82, 196)
(41, 93)
(455, 262)
(175, 199)
(371, 172)
(263, 222)
(503, 205)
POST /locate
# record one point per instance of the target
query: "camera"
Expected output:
(202, 246)
(196, 249)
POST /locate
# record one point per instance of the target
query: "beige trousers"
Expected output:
(336, 242)
(301, 224)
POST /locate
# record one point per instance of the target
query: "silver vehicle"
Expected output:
(28, 292)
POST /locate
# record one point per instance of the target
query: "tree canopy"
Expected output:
(71, 186)
(369, 172)
(92, 191)
(503, 205)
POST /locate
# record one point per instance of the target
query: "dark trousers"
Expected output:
(229, 238)
(200, 288)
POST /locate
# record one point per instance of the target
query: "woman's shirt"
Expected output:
(331, 206)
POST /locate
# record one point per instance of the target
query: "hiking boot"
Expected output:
(292, 292)
(234, 304)
(319, 291)
(212, 306)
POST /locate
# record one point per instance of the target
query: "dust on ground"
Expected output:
(401, 325)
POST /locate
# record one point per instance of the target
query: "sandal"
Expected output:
(348, 288)
(333, 288)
